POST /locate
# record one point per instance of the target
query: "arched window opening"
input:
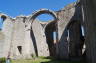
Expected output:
(54, 36)
(83, 39)
(51, 37)
(83, 33)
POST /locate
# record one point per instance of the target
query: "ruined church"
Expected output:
(26, 36)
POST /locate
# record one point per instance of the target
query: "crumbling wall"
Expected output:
(24, 36)
(2, 37)
(18, 38)
(64, 16)
(66, 36)
(7, 32)
(17, 32)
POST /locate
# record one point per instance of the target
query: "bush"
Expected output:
(2, 60)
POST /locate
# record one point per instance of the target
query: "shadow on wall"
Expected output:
(34, 42)
(72, 37)
(49, 32)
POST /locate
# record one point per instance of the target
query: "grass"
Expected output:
(39, 60)
(42, 60)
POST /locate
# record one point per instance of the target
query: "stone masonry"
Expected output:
(26, 36)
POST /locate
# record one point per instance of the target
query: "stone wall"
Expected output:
(17, 32)
(66, 16)
(89, 10)
(24, 36)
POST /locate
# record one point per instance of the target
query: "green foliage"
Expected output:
(2, 60)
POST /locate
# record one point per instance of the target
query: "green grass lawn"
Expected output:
(42, 60)
(39, 60)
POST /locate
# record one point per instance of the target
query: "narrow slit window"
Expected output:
(54, 36)
(83, 33)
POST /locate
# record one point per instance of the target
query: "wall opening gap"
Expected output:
(1, 23)
(19, 49)
(83, 33)
(54, 36)
(2, 19)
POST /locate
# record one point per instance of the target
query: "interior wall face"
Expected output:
(49, 30)
(40, 38)
(75, 42)
(64, 17)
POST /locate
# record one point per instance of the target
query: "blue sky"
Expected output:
(26, 7)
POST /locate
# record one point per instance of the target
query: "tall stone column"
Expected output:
(89, 8)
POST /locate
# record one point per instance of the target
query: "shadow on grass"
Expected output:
(53, 60)
(63, 62)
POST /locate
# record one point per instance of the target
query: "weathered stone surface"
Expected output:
(24, 36)
(17, 32)
(1, 43)
(66, 16)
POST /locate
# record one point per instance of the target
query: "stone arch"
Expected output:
(43, 11)
(39, 12)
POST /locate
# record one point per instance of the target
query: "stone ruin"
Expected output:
(25, 36)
